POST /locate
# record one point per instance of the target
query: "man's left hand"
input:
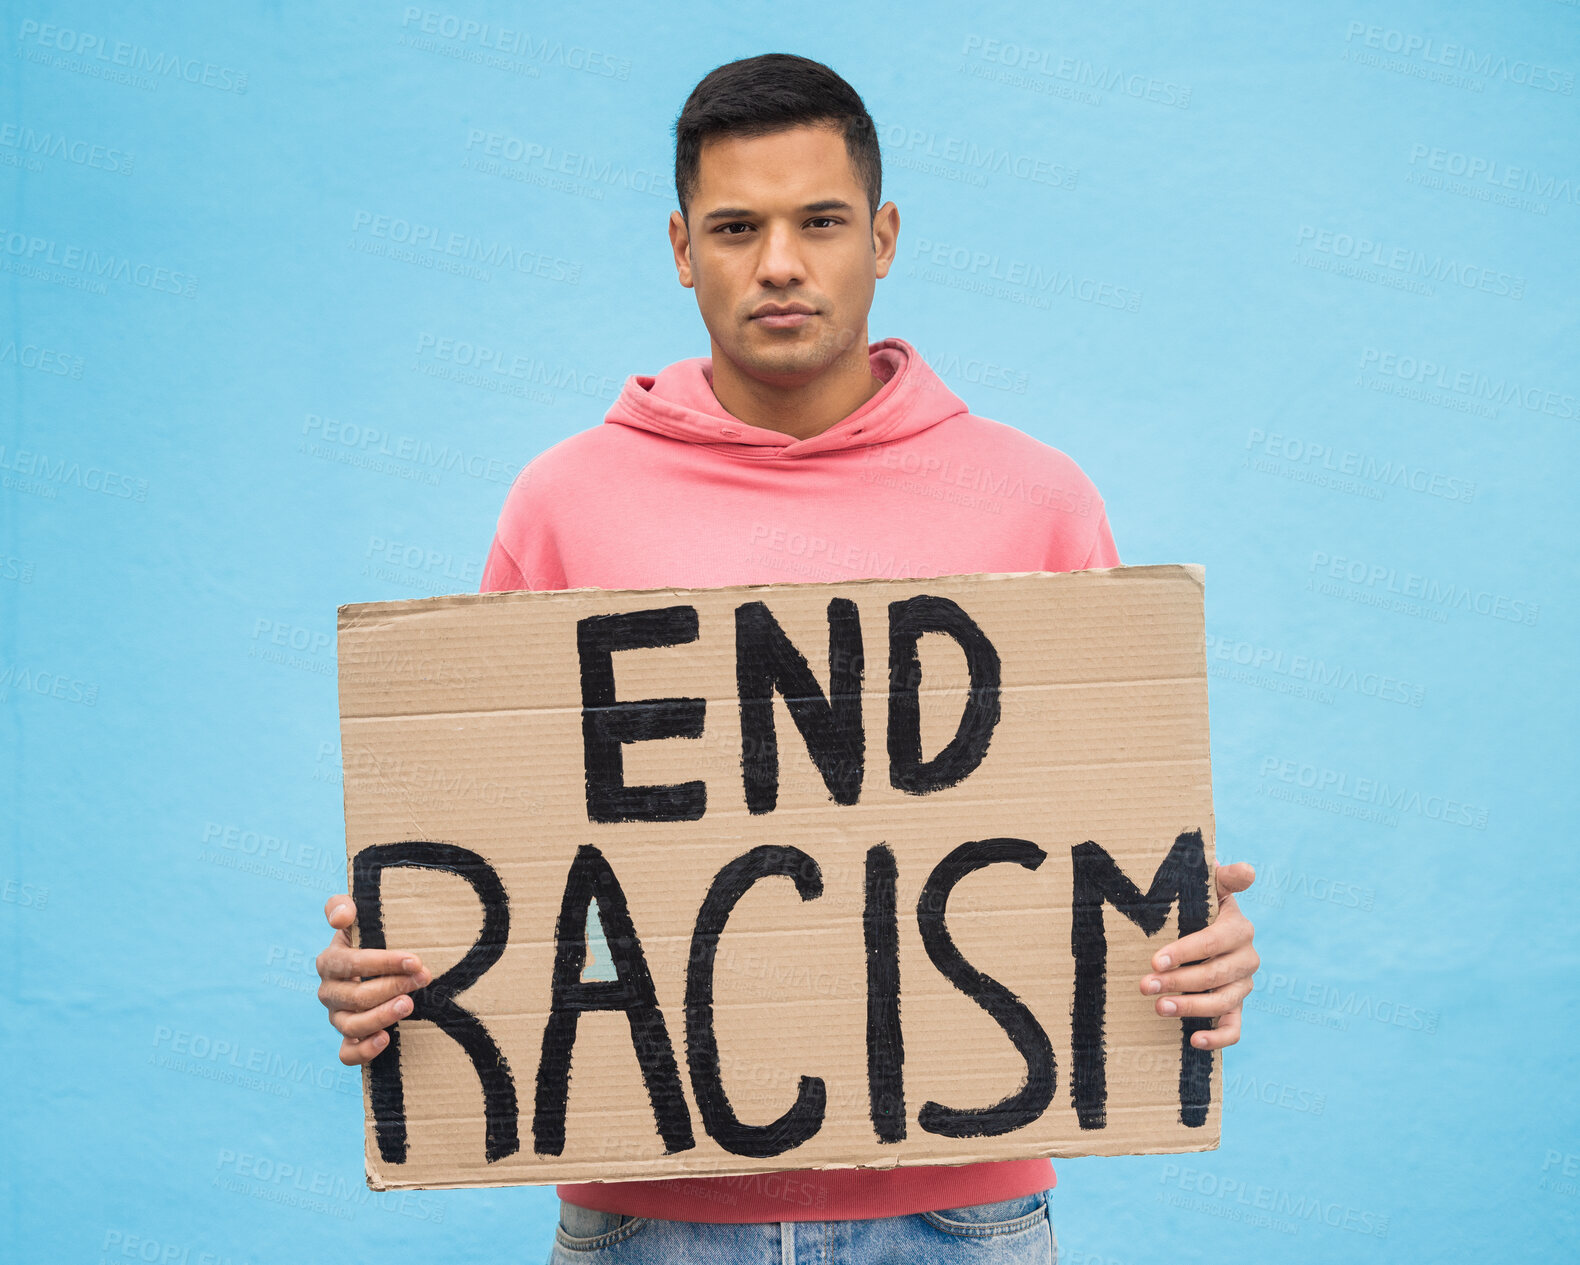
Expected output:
(1221, 962)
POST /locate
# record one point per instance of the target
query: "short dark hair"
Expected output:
(757, 96)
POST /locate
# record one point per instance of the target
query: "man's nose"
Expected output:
(779, 265)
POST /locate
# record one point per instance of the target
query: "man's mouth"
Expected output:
(783, 315)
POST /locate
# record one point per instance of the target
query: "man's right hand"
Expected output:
(364, 990)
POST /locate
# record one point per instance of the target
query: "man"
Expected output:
(796, 430)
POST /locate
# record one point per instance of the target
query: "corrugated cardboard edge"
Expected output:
(355, 614)
(374, 1183)
(359, 614)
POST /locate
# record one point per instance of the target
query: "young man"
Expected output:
(796, 451)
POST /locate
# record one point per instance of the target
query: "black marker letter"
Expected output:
(1182, 877)
(805, 1116)
(885, 1044)
(436, 1002)
(631, 991)
(908, 620)
(766, 660)
(1036, 1091)
(606, 724)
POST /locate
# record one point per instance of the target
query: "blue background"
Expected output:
(1373, 459)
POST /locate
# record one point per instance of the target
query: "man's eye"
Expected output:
(724, 228)
(823, 219)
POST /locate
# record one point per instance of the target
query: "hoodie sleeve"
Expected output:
(1103, 552)
(500, 572)
(523, 555)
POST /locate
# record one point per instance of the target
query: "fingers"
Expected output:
(364, 1023)
(1220, 1001)
(374, 991)
(1225, 1032)
(1232, 930)
(1239, 963)
(341, 961)
(364, 990)
(1235, 878)
(353, 1053)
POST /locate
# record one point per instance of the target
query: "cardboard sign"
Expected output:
(721, 881)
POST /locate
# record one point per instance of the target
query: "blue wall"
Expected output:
(1313, 324)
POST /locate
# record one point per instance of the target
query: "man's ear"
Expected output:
(680, 243)
(885, 236)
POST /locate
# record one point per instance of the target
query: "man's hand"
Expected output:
(1221, 960)
(364, 989)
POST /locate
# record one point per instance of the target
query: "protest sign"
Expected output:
(796, 876)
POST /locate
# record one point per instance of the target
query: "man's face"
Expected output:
(781, 221)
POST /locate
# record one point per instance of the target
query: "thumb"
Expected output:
(340, 911)
(1235, 878)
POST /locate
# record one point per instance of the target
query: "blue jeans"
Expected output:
(1011, 1232)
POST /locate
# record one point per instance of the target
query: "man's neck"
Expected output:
(800, 412)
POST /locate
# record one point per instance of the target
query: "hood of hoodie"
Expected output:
(679, 402)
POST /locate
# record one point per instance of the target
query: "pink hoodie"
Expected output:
(674, 490)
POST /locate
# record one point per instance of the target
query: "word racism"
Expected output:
(626, 826)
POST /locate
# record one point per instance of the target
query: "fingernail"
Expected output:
(408, 964)
(1153, 986)
(1164, 961)
(1167, 1007)
(424, 978)
(1199, 1039)
(403, 1006)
